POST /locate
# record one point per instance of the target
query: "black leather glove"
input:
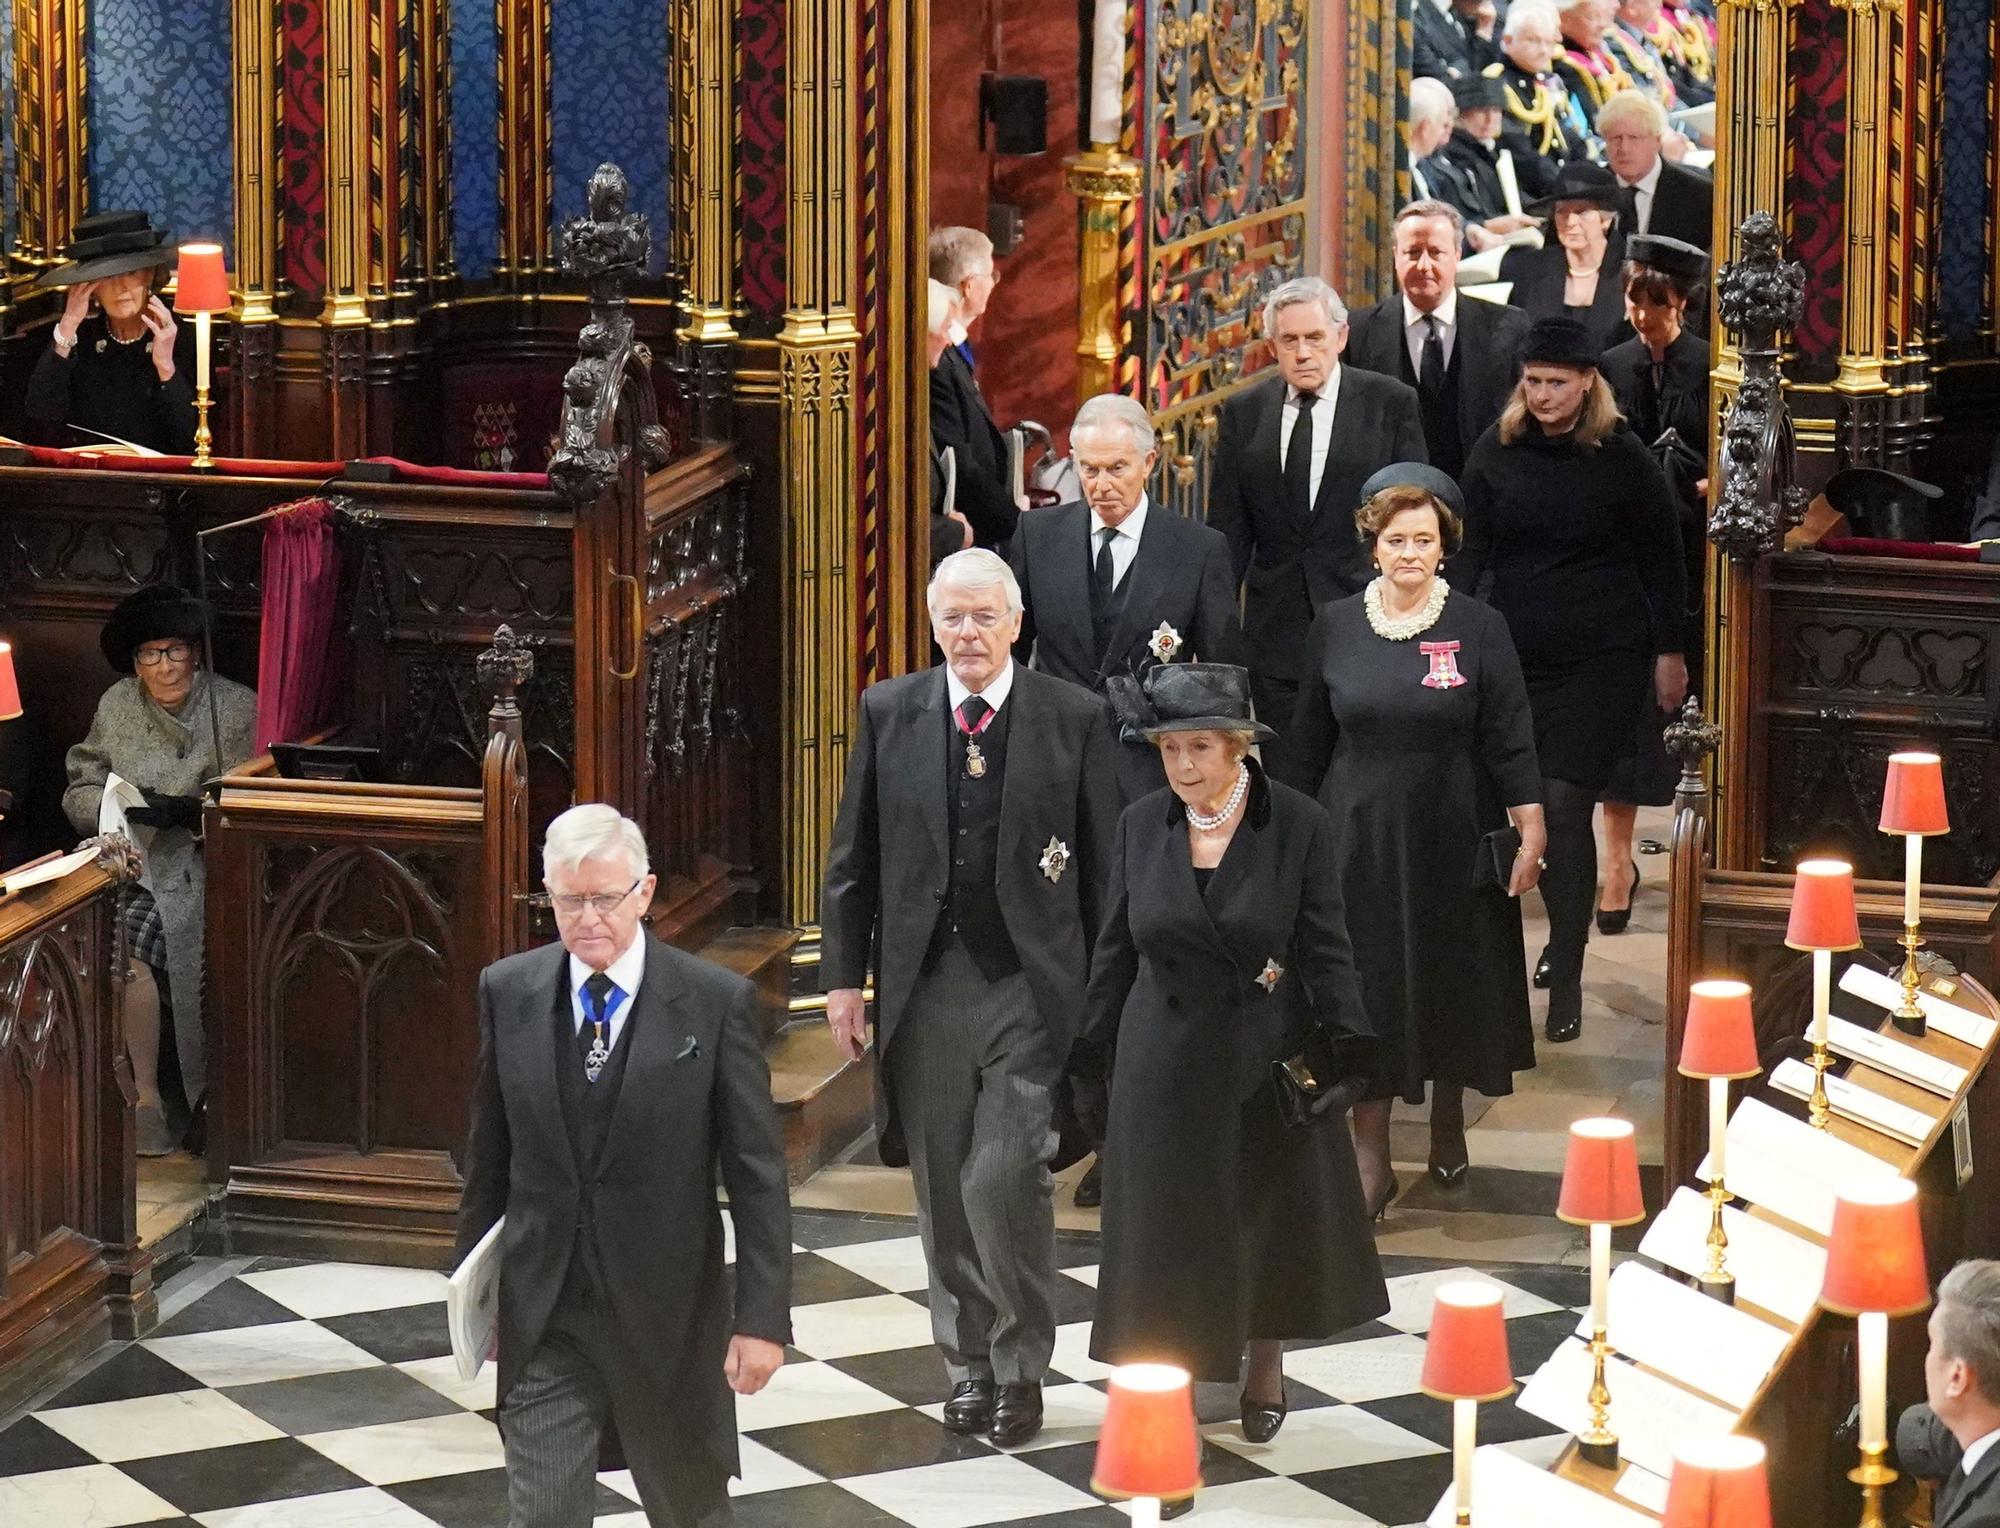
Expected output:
(164, 811)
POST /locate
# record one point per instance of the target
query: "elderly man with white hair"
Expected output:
(961, 422)
(1536, 99)
(617, 1076)
(969, 861)
(1290, 458)
(1428, 117)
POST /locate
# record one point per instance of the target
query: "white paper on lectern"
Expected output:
(1886, 993)
(120, 796)
(1644, 1487)
(1789, 1167)
(1774, 1270)
(1887, 1054)
(1511, 1493)
(1851, 1100)
(1651, 1416)
(472, 1304)
(1702, 1343)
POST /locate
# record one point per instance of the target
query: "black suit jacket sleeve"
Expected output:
(488, 1148)
(1226, 509)
(1218, 632)
(751, 1154)
(1017, 559)
(1305, 749)
(850, 896)
(1098, 808)
(1114, 964)
(982, 497)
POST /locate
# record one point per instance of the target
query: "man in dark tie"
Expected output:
(1660, 196)
(1461, 354)
(1954, 1437)
(971, 855)
(1116, 584)
(962, 259)
(616, 1077)
(1291, 455)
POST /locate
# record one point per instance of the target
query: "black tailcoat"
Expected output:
(1486, 354)
(960, 419)
(1290, 564)
(696, 1099)
(888, 868)
(1179, 577)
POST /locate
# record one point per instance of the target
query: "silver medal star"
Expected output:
(1055, 859)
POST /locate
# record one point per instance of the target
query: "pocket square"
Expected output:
(692, 1047)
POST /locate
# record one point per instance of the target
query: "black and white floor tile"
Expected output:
(324, 1396)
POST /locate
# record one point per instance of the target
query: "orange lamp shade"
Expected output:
(1465, 1355)
(1147, 1446)
(1823, 916)
(1913, 795)
(1601, 1175)
(201, 285)
(10, 687)
(1718, 1482)
(1719, 1039)
(1875, 1254)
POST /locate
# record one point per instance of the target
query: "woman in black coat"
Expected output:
(1226, 1231)
(1570, 517)
(1575, 273)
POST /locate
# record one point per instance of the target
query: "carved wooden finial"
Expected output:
(1689, 739)
(505, 668)
(1758, 294)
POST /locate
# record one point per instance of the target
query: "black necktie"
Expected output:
(1299, 457)
(1629, 211)
(1107, 571)
(972, 711)
(1430, 371)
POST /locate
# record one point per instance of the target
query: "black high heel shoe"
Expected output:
(1565, 1017)
(1541, 976)
(1615, 920)
(1261, 1422)
(1389, 1192)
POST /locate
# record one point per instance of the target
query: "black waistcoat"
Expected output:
(972, 906)
(587, 1110)
(1444, 442)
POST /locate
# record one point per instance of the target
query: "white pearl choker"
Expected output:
(1210, 824)
(1402, 628)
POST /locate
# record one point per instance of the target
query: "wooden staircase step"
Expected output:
(825, 1102)
(764, 955)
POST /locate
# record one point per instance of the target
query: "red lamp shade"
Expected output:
(1465, 1355)
(1601, 1175)
(1913, 795)
(1875, 1254)
(1718, 1482)
(1147, 1446)
(1719, 1039)
(1823, 915)
(10, 688)
(201, 285)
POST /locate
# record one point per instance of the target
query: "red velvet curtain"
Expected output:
(302, 655)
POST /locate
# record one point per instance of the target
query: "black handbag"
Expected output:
(1323, 1079)
(1494, 864)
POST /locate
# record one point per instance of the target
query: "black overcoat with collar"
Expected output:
(1290, 564)
(888, 867)
(1179, 577)
(695, 1102)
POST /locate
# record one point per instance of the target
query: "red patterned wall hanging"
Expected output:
(760, 93)
(1815, 180)
(301, 146)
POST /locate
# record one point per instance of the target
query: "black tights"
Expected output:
(1569, 884)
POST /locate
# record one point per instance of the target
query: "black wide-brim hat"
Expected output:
(1186, 697)
(1581, 181)
(1676, 257)
(1883, 503)
(1433, 480)
(110, 244)
(152, 614)
(1559, 342)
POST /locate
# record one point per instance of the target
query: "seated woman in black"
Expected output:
(127, 370)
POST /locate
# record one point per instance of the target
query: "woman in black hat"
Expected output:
(1224, 951)
(1660, 379)
(126, 369)
(1413, 730)
(1571, 519)
(1575, 274)
(156, 729)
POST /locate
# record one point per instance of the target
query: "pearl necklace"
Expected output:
(1402, 628)
(1210, 824)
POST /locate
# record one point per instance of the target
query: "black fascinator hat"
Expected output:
(1185, 697)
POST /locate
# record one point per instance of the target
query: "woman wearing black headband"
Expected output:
(1570, 518)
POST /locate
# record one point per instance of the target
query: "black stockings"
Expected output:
(1569, 884)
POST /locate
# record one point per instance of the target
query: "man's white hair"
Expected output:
(974, 571)
(1303, 289)
(593, 831)
(955, 253)
(1635, 109)
(1523, 11)
(1430, 101)
(1110, 411)
(943, 306)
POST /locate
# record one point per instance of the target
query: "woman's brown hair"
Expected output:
(1595, 421)
(1648, 283)
(1391, 502)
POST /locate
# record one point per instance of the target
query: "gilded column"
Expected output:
(818, 349)
(1106, 182)
(50, 127)
(526, 145)
(704, 252)
(425, 110)
(351, 264)
(255, 44)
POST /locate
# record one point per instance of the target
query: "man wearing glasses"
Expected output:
(615, 1075)
(971, 849)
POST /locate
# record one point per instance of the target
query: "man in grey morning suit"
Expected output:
(616, 1075)
(974, 834)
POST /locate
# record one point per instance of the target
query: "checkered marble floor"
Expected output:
(317, 1395)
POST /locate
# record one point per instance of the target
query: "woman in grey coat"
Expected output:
(154, 729)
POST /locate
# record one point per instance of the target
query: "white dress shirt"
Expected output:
(1976, 1451)
(1446, 314)
(1124, 540)
(995, 693)
(626, 972)
(1642, 194)
(1322, 426)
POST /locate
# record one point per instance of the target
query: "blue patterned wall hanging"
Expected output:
(608, 101)
(1967, 195)
(475, 139)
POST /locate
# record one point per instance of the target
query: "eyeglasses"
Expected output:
(571, 905)
(985, 620)
(146, 657)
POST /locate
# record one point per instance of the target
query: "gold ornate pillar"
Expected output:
(50, 129)
(704, 252)
(353, 259)
(255, 44)
(1864, 336)
(526, 148)
(818, 349)
(427, 265)
(1107, 182)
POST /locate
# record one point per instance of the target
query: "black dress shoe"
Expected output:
(1541, 976)
(970, 1409)
(1261, 1422)
(1565, 1017)
(1090, 1187)
(1615, 920)
(1169, 1510)
(1017, 1415)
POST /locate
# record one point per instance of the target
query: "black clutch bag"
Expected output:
(1494, 865)
(1322, 1079)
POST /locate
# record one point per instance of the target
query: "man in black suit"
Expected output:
(1290, 457)
(1116, 584)
(1445, 43)
(971, 852)
(962, 259)
(616, 1075)
(1427, 117)
(1660, 196)
(1954, 1438)
(1461, 354)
